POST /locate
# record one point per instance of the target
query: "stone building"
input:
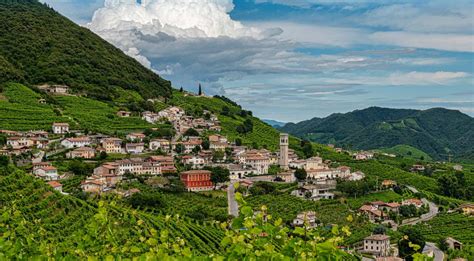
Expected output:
(284, 151)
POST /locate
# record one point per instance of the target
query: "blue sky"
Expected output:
(292, 60)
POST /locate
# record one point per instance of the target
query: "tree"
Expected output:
(301, 174)
(405, 245)
(219, 174)
(179, 148)
(205, 144)
(199, 90)
(3, 140)
(238, 142)
(380, 230)
(308, 150)
(218, 155)
(80, 168)
(103, 155)
(181, 89)
(191, 132)
(4, 161)
(408, 211)
(225, 111)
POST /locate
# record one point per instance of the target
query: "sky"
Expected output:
(292, 60)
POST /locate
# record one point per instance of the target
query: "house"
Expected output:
(287, 176)
(417, 167)
(217, 138)
(388, 183)
(259, 163)
(47, 173)
(82, 152)
(297, 164)
(453, 243)
(392, 206)
(93, 185)
(413, 201)
(112, 145)
(162, 144)
(377, 245)
(166, 163)
(60, 128)
(307, 218)
(55, 89)
(216, 145)
(315, 163)
(373, 213)
(41, 165)
(70, 143)
(358, 175)
(124, 114)
(467, 208)
(238, 171)
(316, 191)
(191, 144)
(56, 185)
(364, 155)
(197, 180)
(344, 172)
(196, 162)
(134, 148)
(457, 167)
(150, 117)
(135, 136)
(17, 142)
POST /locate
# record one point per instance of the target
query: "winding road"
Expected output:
(433, 210)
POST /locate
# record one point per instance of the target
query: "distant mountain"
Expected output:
(38, 45)
(274, 123)
(436, 131)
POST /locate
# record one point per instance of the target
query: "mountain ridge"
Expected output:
(436, 131)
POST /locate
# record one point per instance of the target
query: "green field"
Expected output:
(458, 226)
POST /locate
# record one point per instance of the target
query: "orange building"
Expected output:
(197, 180)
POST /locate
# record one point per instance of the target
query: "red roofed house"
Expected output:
(56, 185)
(78, 142)
(413, 201)
(197, 180)
(83, 152)
(136, 136)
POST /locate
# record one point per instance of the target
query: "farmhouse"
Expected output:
(56, 185)
(377, 245)
(55, 89)
(197, 180)
(47, 173)
(413, 201)
(196, 162)
(70, 143)
(60, 128)
(82, 152)
(307, 218)
(112, 145)
(134, 148)
(467, 208)
(162, 144)
(135, 136)
(124, 114)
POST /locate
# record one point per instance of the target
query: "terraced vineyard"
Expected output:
(20, 110)
(72, 227)
(458, 226)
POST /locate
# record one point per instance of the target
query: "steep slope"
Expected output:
(75, 228)
(38, 45)
(435, 131)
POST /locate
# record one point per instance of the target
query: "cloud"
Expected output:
(425, 78)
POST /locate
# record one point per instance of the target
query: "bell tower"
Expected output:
(283, 162)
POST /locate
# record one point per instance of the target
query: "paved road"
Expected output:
(231, 202)
(438, 254)
(433, 211)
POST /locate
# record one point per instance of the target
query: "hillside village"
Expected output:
(192, 153)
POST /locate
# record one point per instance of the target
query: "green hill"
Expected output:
(38, 45)
(65, 226)
(407, 152)
(435, 131)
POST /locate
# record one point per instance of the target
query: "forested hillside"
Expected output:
(38, 45)
(437, 131)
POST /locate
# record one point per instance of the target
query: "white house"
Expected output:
(196, 162)
(358, 175)
(78, 142)
(135, 136)
(134, 148)
(161, 144)
(60, 128)
(307, 218)
(47, 173)
(377, 245)
(56, 185)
